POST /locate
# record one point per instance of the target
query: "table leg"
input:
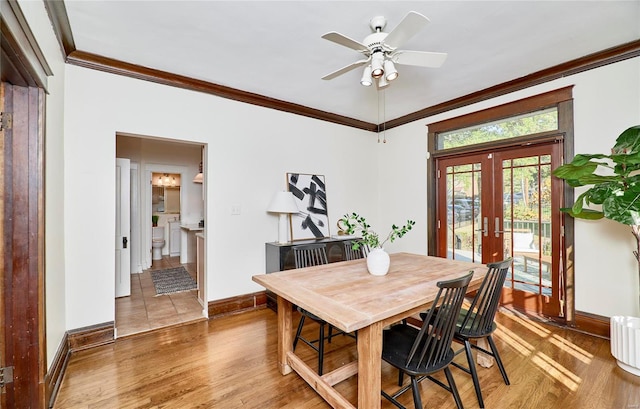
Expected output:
(369, 366)
(285, 336)
(484, 360)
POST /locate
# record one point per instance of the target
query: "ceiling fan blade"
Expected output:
(408, 27)
(346, 41)
(419, 58)
(345, 69)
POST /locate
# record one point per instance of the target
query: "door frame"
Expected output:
(23, 247)
(24, 68)
(562, 99)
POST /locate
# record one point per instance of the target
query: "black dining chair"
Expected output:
(307, 256)
(479, 322)
(351, 254)
(421, 352)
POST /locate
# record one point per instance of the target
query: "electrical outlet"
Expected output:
(235, 210)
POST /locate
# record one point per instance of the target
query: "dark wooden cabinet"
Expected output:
(279, 257)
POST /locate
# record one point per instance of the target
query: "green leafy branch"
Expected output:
(354, 223)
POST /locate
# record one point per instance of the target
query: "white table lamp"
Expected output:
(283, 203)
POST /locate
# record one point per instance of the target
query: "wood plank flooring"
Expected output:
(230, 363)
(144, 311)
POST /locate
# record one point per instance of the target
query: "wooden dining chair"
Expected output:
(422, 352)
(307, 256)
(479, 322)
(351, 254)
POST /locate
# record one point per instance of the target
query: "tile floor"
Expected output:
(145, 311)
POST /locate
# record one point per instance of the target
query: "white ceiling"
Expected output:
(273, 48)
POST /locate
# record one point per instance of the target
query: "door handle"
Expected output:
(497, 230)
(124, 242)
(485, 229)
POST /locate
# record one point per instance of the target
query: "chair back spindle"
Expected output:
(310, 255)
(480, 318)
(433, 342)
(351, 254)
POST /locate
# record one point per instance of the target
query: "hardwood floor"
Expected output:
(230, 363)
(144, 310)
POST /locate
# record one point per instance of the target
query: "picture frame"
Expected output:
(310, 193)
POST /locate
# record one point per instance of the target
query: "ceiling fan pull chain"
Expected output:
(384, 116)
(378, 112)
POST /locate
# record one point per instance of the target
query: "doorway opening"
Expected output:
(167, 206)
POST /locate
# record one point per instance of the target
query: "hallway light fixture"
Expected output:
(199, 178)
(283, 203)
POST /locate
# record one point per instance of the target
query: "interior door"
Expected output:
(501, 204)
(123, 253)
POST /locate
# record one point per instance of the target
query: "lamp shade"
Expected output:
(283, 202)
(199, 178)
(377, 61)
(366, 79)
(390, 72)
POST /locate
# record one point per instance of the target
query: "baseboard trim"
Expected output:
(73, 341)
(53, 378)
(593, 324)
(90, 337)
(237, 304)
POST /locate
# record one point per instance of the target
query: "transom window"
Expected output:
(512, 127)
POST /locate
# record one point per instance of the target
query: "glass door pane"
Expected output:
(527, 223)
(461, 211)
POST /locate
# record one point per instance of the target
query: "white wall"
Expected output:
(606, 102)
(249, 151)
(54, 262)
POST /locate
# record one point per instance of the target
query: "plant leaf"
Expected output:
(628, 142)
(575, 171)
(587, 214)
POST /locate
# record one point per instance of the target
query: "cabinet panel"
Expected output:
(279, 257)
(174, 238)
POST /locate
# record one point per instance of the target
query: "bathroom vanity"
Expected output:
(174, 238)
(188, 242)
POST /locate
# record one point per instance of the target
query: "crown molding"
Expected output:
(60, 21)
(588, 62)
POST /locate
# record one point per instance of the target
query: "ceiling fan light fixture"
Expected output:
(377, 69)
(382, 82)
(366, 79)
(390, 70)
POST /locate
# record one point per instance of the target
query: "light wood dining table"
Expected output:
(345, 295)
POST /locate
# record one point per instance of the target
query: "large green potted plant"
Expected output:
(614, 186)
(377, 259)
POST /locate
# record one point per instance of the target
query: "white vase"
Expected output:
(378, 262)
(625, 343)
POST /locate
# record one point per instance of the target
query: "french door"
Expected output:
(505, 203)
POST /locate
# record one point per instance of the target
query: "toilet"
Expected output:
(157, 242)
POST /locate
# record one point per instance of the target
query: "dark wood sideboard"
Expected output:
(279, 257)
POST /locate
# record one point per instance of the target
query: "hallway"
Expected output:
(144, 310)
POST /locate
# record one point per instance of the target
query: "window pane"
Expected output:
(464, 241)
(531, 123)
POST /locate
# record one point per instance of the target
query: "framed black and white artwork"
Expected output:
(310, 192)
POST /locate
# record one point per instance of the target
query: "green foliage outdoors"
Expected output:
(509, 128)
(354, 223)
(614, 181)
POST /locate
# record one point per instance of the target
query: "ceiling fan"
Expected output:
(381, 51)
